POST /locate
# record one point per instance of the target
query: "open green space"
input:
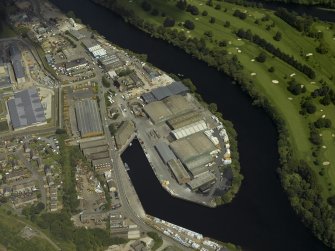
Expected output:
(286, 62)
(265, 24)
(10, 235)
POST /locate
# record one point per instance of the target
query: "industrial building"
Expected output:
(189, 129)
(194, 151)
(179, 171)
(4, 76)
(16, 59)
(124, 132)
(102, 164)
(184, 120)
(92, 46)
(88, 118)
(202, 180)
(92, 143)
(160, 93)
(25, 109)
(76, 64)
(164, 152)
(88, 151)
(160, 111)
(97, 152)
(111, 61)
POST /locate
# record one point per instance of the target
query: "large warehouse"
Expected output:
(25, 109)
(189, 129)
(194, 151)
(160, 93)
(88, 118)
(160, 111)
(16, 59)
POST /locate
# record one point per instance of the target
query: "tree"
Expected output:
(192, 9)
(261, 57)
(189, 25)
(169, 22)
(271, 69)
(181, 4)
(212, 20)
(105, 82)
(323, 48)
(227, 24)
(146, 6)
(208, 33)
(204, 13)
(218, 7)
(154, 12)
(277, 36)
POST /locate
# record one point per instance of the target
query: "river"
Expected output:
(260, 216)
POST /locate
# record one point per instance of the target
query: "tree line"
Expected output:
(305, 69)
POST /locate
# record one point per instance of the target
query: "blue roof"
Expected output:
(25, 108)
(15, 56)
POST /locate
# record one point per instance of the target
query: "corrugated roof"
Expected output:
(177, 87)
(88, 117)
(164, 152)
(26, 108)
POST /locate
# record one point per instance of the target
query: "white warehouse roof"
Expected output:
(189, 129)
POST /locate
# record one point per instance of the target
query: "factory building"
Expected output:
(179, 171)
(76, 64)
(160, 111)
(160, 93)
(184, 120)
(203, 180)
(93, 47)
(189, 129)
(94, 143)
(25, 109)
(194, 151)
(111, 61)
(16, 59)
(88, 118)
(164, 152)
(124, 132)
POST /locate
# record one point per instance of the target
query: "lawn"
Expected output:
(10, 237)
(292, 43)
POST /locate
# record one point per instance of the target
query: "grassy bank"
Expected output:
(302, 104)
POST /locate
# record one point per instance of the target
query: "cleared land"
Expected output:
(265, 24)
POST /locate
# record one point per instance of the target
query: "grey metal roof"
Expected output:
(26, 108)
(75, 63)
(88, 118)
(15, 56)
(18, 69)
(161, 93)
(178, 88)
(166, 91)
(164, 152)
(148, 97)
(89, 42)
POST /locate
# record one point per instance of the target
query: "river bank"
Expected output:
(261, 207)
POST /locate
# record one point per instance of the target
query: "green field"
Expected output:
(219, 33)
(292, 43)
(10, 235)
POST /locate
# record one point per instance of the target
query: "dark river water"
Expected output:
(260, 217)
